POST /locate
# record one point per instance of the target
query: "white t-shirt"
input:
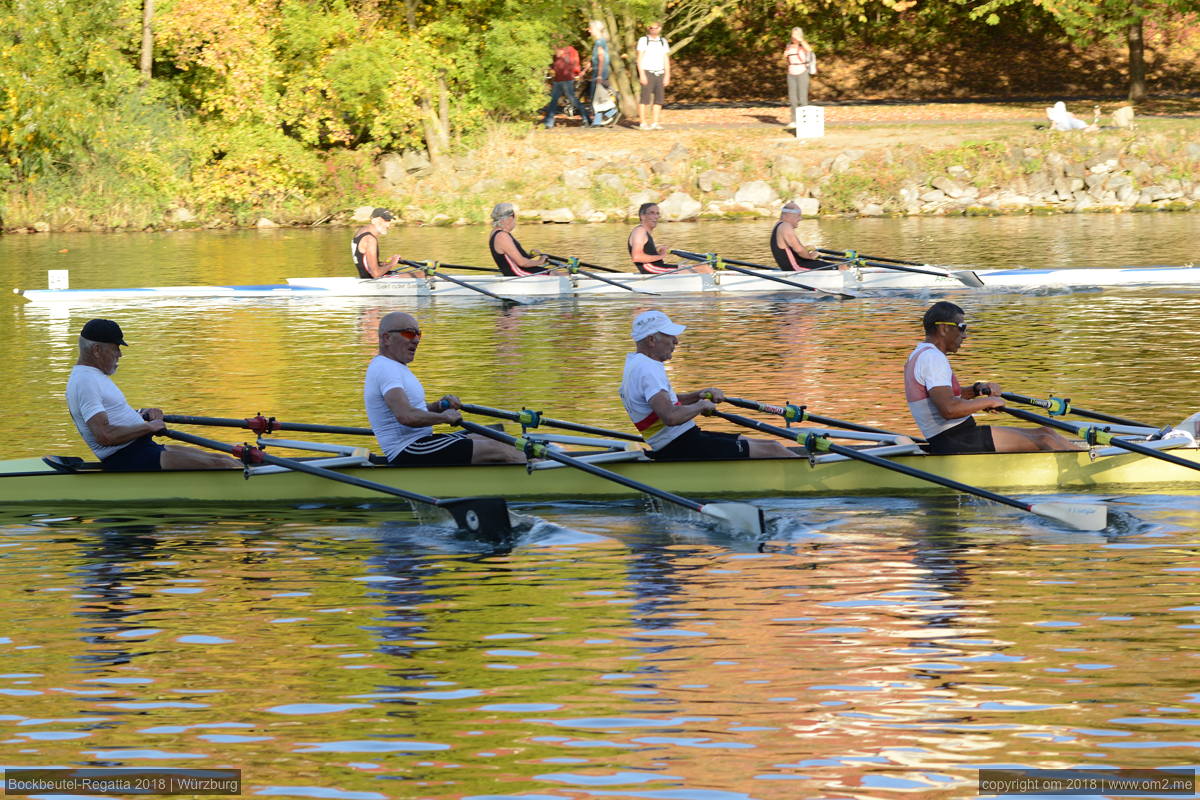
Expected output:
(383, 375)
(653, 53)
(644, 378)
(90, 391)
(926, 368)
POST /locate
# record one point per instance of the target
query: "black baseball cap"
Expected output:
(103, 330)
(382, 213)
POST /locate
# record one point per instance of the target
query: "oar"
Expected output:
(752, 265)
(531, 419)
(431, 271)
(738, 517)
(965, 276)
(1084, 516)
(482, 516)
(581, 263)
(572, 266)
(1059, 406)
(794, 413)
(852, 254)
(262, 425)
(1098, 436)
(718, 263)
(457, 266)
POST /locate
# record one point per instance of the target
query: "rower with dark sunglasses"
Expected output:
(942, 408)
(402, 420)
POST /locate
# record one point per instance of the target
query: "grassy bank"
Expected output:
(874, 160)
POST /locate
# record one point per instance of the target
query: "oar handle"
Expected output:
(1059, 406)
(261, 425)
(795, 413)
(535, 449)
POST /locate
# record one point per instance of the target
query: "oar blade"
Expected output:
(969, 278)
(740, 518)
(1081, 516)
(485, 518)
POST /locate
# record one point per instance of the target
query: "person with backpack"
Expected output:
(565, 70)
(801, 63)
(654, 72)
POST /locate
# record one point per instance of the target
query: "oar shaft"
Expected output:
(1054, 404)
(533, 419)
(1092, 438)
(553, 455)
(877, 461)
(782, 411)
(730, 266)
(439, 276)
(261, 425)
(564, 260)
(850, 253)
(300, 466)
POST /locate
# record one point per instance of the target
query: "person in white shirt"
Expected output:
(664, 418)
(402, 420)
(654, 73)
(942, 408)
(119, 435)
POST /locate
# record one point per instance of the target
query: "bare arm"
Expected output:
(792, 242)
(638, 250)
(952, 407)
(667, 68)
(506, 245)
(672, 414)
(408, 414)
(108, 434)
(369, 247)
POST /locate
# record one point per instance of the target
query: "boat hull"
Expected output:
(682, 283)
(30, 481)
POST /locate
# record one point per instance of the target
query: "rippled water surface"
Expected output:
(873, 647)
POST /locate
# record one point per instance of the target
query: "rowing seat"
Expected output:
(70, 464)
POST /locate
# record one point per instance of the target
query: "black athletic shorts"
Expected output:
(700, 445)
(141, 455)
(652, 90)
(437, 449)
(966, 437)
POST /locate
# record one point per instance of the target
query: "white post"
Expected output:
(58, 279)
(810, 122)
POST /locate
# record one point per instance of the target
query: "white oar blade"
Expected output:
(737, 517)
(1081, 516)
(969, 278)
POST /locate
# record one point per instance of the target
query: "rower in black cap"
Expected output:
(364, 248)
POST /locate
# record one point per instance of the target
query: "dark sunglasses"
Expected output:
(407, 333)
(962, 326)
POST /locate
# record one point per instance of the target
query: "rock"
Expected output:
(415, 161)
(597, 216)
(1123, 117)
(679, 206)
(362, 214)
(948, 186)
(263, 222)
(933, 196)
(786, 166)
(871, 210)
(1095, 182)
(909, 195)
(439, 220)
(529, 213)
(662, 167)
(638, 198)
(392, 168)
(578, 178)
(1193, 150)
(180, 216)
(612, 183)
(486, 186)
(1102, 167)
(713, 179)
(958, 171)
(1011, 200)
(678, 153)
(842, 161)
(41, 226)
(1084, 203)
(809, 206)
(757, 193)
(640, 171)
(561, 215)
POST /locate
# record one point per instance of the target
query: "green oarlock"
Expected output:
(529, 418)
(814, 443)
(794, 413)
(1095, 436)
(1059, 406)
(530, 447)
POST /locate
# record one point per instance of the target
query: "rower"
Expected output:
(364, 248)
(942, 408)
(665, 418)
(646, 255)
(507, 252)
(400, 417)
(791, 255)
(120, 436)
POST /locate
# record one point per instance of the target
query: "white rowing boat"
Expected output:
(857, 280)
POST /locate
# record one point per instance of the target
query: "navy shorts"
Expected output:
(700, 445)
(141, 455)
(437, 449)
(966, 437)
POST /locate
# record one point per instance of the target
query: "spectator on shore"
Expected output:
(801, 63)
(654, 73)
(565, 69)
(604, 111)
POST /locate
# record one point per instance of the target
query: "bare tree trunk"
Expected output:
(444, 108)
(622, 51)
(146, 63)
(1137, 61)
(435, 126)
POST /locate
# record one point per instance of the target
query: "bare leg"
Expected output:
(180, 457)
(489, 451)
(1029, 440)
(656, 111)
(766, 448)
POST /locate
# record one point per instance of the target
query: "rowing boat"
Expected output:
(857, 279)
(33, 481)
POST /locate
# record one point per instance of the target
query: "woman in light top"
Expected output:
(801, 63)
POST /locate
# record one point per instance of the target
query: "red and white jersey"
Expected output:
(644, 377)
(926, 368)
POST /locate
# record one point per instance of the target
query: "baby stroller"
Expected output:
(605, 109)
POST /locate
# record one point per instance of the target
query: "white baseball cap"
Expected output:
(650, 322)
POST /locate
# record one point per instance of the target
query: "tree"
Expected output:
(1090, 21)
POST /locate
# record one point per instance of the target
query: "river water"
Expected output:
(875, 647)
